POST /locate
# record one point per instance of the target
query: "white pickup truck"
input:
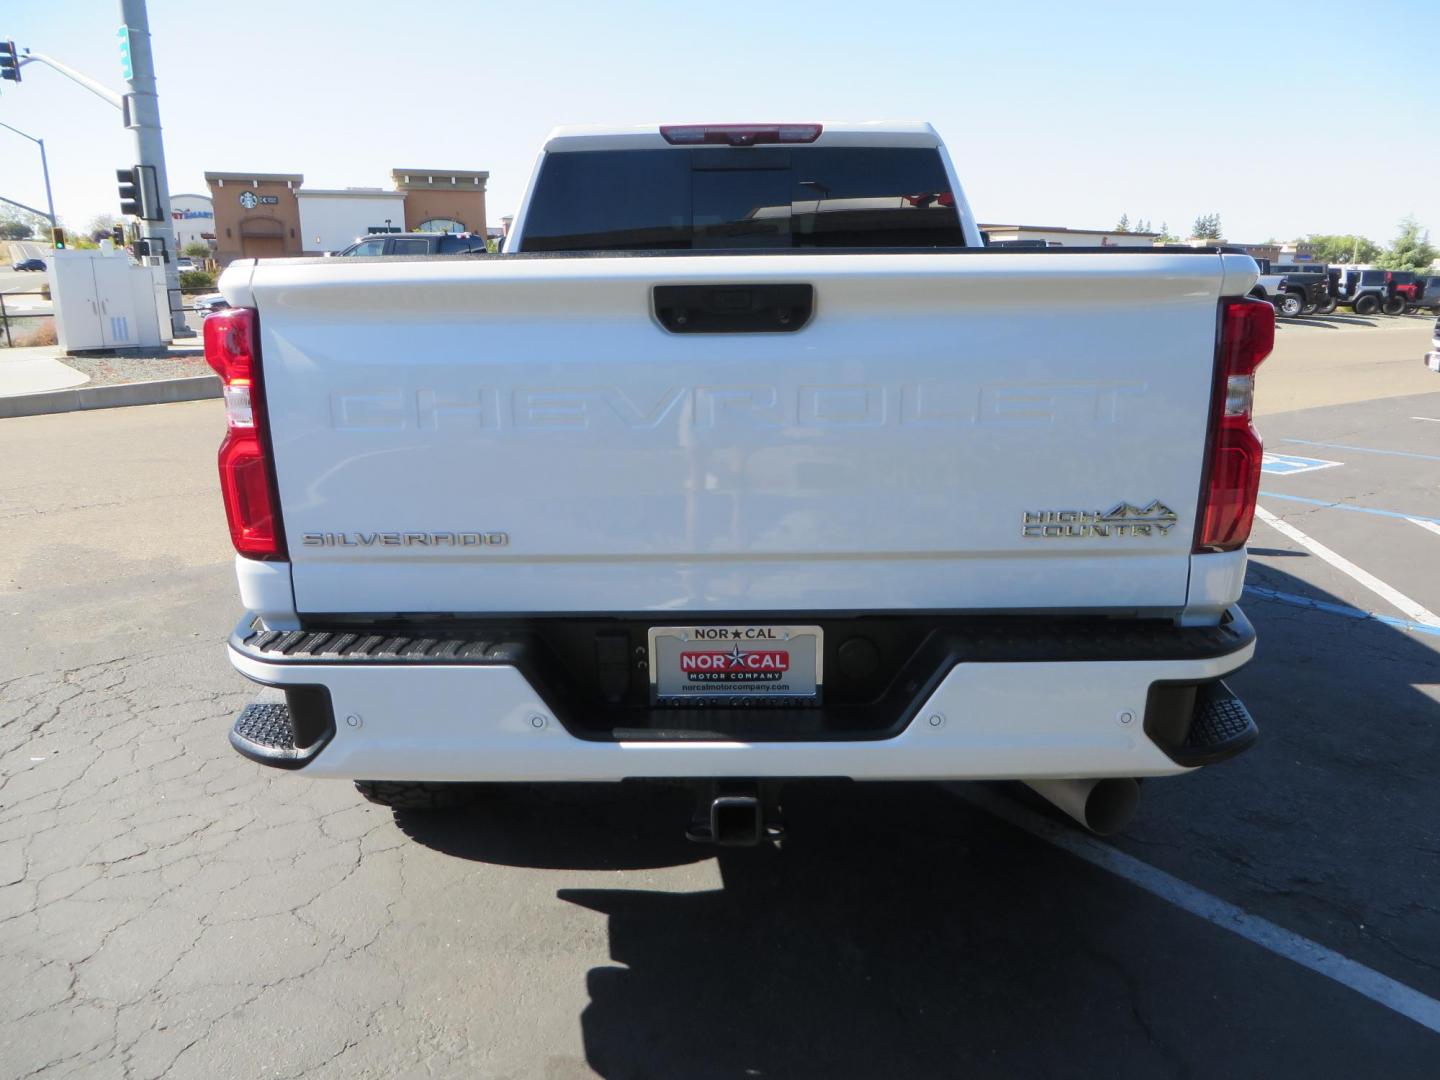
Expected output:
(746, 462)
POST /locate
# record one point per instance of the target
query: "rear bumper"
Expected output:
(445, 711)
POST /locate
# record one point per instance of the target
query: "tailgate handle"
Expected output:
(733, 309)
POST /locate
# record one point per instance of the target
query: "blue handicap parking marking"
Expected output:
(1285, 465)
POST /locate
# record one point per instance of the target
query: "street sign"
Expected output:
(127, 66)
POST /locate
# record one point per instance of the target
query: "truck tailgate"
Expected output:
(520, 434)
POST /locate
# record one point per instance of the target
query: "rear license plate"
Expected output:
(775, 665)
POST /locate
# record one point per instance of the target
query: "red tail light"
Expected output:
(1232, 473)
(738, 134)
(247, 480)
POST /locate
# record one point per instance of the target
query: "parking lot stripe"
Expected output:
(1346, 506)
(1362, 449)
(1410, 608)
(1368, 982)
(1432, 419)
(1344, 610)
(1424, 524)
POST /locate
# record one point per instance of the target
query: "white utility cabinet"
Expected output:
(103, 300)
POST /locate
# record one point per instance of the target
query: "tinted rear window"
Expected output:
(755, 197)
(450, 245)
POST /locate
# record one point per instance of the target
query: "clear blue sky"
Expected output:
(1057, 113)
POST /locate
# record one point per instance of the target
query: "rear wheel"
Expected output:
(1394, 305)
(418, 794)
(1290, 305)
(1326, 306)
(1366, 305)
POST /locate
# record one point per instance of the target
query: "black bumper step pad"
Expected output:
(341, 646)
(1221, 727)
(266, 729)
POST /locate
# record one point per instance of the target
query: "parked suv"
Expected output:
(416, 244)
(1369, 291)
(1430, 294)
(1408, 287)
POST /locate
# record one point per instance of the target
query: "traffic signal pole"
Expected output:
(44, 168)
(144, 121)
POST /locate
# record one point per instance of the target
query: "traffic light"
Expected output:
(117, 234)
(139, 193)
(129, 192)
(9, 62)
(57, 238)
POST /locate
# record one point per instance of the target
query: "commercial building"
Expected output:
(330, 220)
(267, 215)
(1297, 251)
(193, 219)
(256, 215)
(1060, 236)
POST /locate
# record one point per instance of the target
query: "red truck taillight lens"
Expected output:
(1232, 471)
(247, 479)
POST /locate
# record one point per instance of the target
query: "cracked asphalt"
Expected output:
(170, 909)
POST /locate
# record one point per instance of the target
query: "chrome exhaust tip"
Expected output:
(1104, 805)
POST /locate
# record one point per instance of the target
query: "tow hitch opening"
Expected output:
(739, 813)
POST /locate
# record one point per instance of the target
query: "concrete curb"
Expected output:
(156, 392)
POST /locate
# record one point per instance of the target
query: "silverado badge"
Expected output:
(1122, 519)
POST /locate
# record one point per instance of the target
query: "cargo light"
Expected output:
(738, 134)
(1232, 468)
(247, 478)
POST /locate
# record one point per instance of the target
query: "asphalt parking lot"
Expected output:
(169, 909)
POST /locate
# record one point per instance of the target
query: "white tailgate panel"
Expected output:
(882, 457)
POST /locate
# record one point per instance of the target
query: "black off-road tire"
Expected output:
(1368, 304)
(1310, 309)
(1326, 306)
(417, 794)
(1394, 305)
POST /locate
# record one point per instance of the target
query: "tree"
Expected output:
(100, 226)
(1142, 226)
(1206, 227)
(1164, 236)
(197, 249)
(1342, 248)
(1410, 251)
(16, 224)
(1124, 223)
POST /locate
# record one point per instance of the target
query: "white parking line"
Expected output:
(1430, 525)
(1410, 608)
(1368, 982)
(1432, 419)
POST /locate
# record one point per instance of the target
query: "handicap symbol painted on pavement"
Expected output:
(1285, 465)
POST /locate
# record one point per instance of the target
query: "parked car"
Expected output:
(184, 263)
(726, 509)
(416, 244)
(1368, 291)
(1315, 280)
(1430, 294)
(1273, 288)
(209, 303)
(30, 264)
(1409, 287)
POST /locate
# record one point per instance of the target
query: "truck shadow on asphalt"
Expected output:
(902, 931)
